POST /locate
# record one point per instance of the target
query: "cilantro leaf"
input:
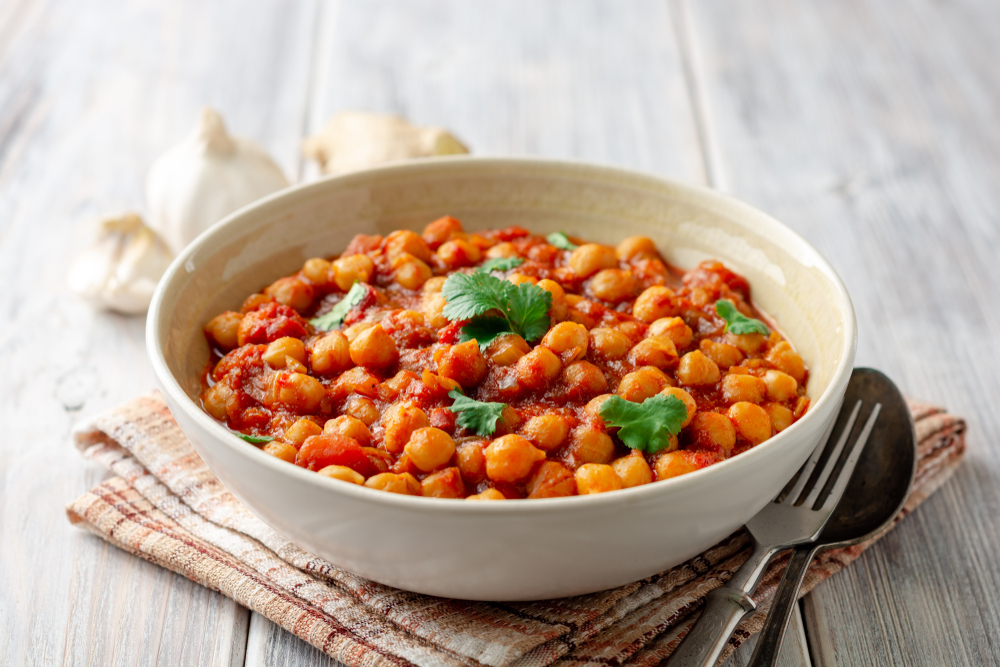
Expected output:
(471, 294)
(500, 264)
(520, 309)
(527, 310)
(254, 439)
(560, 240)
(335, 317)
(737, 322)
(645, 426)
(475, 415)
(485, 329)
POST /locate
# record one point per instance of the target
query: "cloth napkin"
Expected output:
(164, 504)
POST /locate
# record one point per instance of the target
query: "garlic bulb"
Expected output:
(205, 178)
(354, 139)
(120, 270)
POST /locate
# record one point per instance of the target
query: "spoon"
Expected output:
(878, 488)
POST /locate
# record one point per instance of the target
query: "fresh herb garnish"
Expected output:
(475, 415)
(560, 240)
(500, 264)
(737, 322)
(645, 426)
(335, 317)
(518, 309)
(255, 439)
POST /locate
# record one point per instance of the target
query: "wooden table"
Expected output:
(869, 127)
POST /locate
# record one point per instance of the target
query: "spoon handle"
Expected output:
(769, 640)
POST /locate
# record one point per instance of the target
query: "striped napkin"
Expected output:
(164, 504)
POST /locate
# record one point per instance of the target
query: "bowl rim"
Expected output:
(601, 501)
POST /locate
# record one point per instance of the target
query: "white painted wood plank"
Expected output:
(90, 93)
(871, 129)
(271, 645)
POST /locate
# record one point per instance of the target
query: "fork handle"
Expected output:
(724, 608)
(769, 640)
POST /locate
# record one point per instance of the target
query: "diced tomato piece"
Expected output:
(320, 451)
(451, 333)
(271, 322)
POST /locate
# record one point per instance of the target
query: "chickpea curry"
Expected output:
(501, 365)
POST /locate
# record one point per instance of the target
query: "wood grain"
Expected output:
(871, 129)
(91, 93)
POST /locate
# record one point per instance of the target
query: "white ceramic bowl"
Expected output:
(502, 550)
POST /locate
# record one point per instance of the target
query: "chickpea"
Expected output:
(510, 458)
(633, 246)
(445, 483)
(781, 417)
(559, 307)
(658, 351)
(537, 369)
(374, 348)
(356, 381)
(780, 386)
(400, 421)
(430, 449)
(432, 306)
(743, 388)
(224, 330)
(350, 427)
(634, 330)
(411, 272)
(654, 303)
(281, 450)
(613, 285)
(588, 443)
(216, 399)
(393, 483)
(440, 230)
(633, 469)
(643, 383)
(331, 354)
(506, 350)
(253, 302)
(297, 433)
(361, 408)
(583, 379)
(520, 279)
(713, 431)
(747, 343)
(291, 292)
(355, 330)
(471, 461)
(318, 271)
(568, 340)
(680, 462)
(505, 249)
(723, 354)
(279, 350)
(459, 253)
(343, 473)
(488, 494)
(697, 369)
(673, 328)
(787, 360)
(751, 421)
(597, 478)
(509, 422)
(593, 407)
(463, 363)
(405, 242)
(298, 391)
(435, 284)
(551, 480)
(547, 432)
(352, 269)
(686, 398)
(396, 385)
(590, 258)
(609, 344)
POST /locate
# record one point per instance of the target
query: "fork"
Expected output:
(792, 519)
